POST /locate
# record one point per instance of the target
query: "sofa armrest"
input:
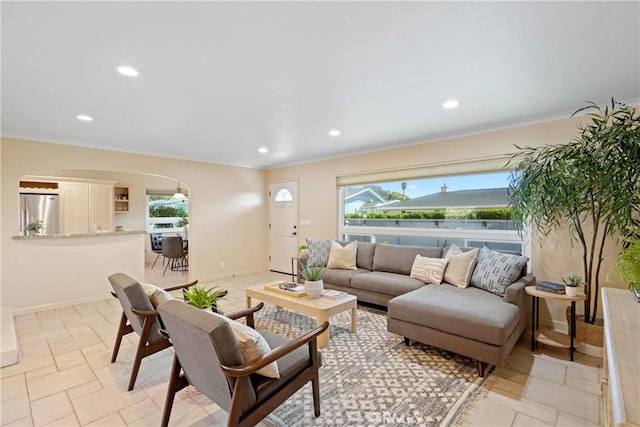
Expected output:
(515, 292)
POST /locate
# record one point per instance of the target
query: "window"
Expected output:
(284, 195)
(166, 214)
(468, 210)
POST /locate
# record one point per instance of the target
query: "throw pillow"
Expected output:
(460, 267)
(252, 346)
(496, 270)
(343, 257)
(318, 252)
(156, 295)
(429, 270)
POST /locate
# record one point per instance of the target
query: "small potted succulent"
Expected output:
(313, 285)
(571, 283)
(204, 298)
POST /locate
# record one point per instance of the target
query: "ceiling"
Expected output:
(221, 79)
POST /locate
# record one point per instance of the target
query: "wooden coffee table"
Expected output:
(321, 308)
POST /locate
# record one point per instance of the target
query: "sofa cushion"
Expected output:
(470, 313)
(318, 250)
(399, 259)
(385, 283)
(496, 270)
(364, 256)
(460, 267)
(429, 270)
(343, 257)
(340, 277)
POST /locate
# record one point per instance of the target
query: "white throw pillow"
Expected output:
(156, 295)
(429, 270)
(343, 257)
(460, 267)
(252, 346)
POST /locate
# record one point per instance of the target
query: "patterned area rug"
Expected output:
(371, 378)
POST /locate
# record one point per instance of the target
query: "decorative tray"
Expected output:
(287, 288)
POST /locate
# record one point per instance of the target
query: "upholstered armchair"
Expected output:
(139, 315)
(211, 354)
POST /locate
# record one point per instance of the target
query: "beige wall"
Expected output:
(228, 211)
(228, 214)
(551, 257)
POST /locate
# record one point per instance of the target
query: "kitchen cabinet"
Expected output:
(85, 207)
(121, 204)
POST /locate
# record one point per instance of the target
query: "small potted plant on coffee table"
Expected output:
(571, 283)
(313, 285)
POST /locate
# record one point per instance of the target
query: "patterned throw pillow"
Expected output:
(318, 252)
(343, 257)
(460, 267)
(496, 271)
(429, 270)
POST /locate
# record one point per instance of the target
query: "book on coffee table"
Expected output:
(333, 294)
(287, 288)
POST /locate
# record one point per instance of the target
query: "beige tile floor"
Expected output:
(65, 377)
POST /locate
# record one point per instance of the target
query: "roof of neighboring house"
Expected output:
(481, 198)
(364, 194)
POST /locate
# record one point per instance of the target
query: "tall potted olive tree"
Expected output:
(591, 184)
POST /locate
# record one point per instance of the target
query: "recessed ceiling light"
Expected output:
(452, 103)
(263, 150)
(334, 132)
(84, 118)
(127, 71)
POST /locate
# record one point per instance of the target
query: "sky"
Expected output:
(421, 187)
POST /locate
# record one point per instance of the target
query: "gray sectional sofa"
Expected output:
(469, 321)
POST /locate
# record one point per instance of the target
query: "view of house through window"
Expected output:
(469, 210)
(165, 213)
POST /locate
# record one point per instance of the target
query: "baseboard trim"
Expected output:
(60, 304)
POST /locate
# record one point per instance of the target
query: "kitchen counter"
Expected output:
(65, 236)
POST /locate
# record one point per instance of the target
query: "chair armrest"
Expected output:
(254, 365)
(183, 286)
(246, 312)
(145, 313)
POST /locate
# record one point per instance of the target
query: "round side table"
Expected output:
(549, 337)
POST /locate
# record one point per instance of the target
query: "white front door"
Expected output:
(283, 225)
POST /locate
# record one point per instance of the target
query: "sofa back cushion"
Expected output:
(399, 259)
(364, 256)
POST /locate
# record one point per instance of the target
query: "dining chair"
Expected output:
(173, 250)
(208, 356)
(139, 315)
(156, 246)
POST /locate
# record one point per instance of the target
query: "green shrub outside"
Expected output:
(480, 214)
(167, 212)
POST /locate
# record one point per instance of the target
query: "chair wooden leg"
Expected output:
(315, 388)
(121, 333)
(176, 383)
(141, 352)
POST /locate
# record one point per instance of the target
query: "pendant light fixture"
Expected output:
(178, 195)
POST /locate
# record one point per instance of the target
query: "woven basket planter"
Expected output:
(592, 334)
